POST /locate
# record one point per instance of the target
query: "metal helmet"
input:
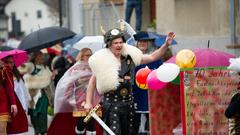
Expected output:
(113, 34)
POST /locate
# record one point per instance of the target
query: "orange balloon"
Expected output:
(142, 85)
(142, 74)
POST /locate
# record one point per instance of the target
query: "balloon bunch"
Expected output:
(167, 72)
(153, 82)
(157, 79)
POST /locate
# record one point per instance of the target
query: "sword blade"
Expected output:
(99, 120)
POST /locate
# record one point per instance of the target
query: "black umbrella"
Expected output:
(44, 38)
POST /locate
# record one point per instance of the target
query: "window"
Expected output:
(39, 14)
(25, 14)
(13, 14)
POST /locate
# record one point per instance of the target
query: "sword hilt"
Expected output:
(89, 116)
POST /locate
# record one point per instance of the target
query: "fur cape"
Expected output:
(105, 66)
(41, 80)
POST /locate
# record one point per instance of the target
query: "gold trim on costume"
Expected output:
(94, 110)
(84, 113)
(5, 117)
(124, 92)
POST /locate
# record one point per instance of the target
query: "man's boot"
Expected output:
(91, 133)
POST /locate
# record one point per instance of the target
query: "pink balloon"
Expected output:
(153, 82)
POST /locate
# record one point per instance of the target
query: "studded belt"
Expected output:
(122, 94)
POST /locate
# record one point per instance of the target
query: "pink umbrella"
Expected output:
(19, 56)
(207, 57)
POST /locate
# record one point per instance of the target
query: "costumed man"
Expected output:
(141, 120)
(70, 98)
(233, 110)
(113, 76)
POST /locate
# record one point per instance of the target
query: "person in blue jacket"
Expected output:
(141, 121)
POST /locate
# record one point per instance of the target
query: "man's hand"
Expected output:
(14, 110)
(88, 107)
(169, 38)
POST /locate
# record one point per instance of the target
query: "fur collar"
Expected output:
(40, 80)
(105, 66)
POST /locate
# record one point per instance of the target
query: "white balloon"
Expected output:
(234, 64)
(167, 72)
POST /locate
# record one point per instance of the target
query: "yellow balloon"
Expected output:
(186, 58)
(142, 85)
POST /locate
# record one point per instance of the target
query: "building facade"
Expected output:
(86, 16)
(29, 15)
(197, 21)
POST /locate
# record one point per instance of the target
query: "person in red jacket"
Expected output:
(8, 106)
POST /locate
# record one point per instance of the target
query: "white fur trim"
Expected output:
(91, 132)
(105, 66)
(38, 81)
(26, 68)
(135, 53)
(79, 132)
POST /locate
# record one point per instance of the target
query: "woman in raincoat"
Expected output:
(70, 98)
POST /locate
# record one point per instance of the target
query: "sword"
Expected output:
(93, 114)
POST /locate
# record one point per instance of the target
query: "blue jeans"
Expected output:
(137, 4)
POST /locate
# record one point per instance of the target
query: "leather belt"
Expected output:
(122, 92)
